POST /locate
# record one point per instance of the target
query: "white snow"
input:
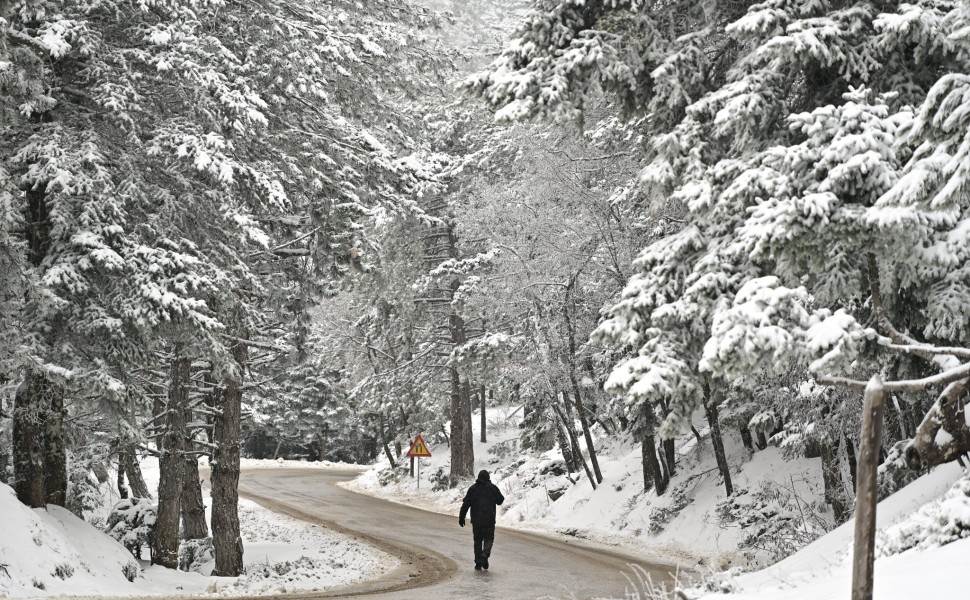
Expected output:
(48, 552)
(822, 570)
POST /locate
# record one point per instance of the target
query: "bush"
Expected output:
(194, 554)
(63, 571)
(440, 481)
(130, 571)
(83, 495)
(662, 515)
(773, 519)
(132, 522)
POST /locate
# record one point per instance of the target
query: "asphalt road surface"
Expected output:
(437, 561)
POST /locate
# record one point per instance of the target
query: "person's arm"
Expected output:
(465, 505)
(499, 498)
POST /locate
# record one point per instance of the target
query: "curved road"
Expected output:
(436, 555)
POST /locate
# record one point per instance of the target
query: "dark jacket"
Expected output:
(482, 498)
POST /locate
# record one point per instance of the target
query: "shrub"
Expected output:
(83, 496)
(194, 554)
(63, 571)
(132, 522)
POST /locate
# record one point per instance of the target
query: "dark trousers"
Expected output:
(484, 536)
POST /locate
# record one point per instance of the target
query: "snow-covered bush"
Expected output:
(132, 522)
(195, 554)
(935, 524)
(773, 519)
(894, 474)
(83, 495)
(661, 515)
(440, 481)
(130, 570)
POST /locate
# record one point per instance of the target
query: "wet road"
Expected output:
(436, 554)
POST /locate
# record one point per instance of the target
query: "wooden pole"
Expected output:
(863, 558)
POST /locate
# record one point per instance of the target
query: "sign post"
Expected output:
(419, 450)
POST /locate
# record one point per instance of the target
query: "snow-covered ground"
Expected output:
(911, 563)
(52, 552)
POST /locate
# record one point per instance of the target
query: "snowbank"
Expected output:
(51, 552)
(47, 552)
(822, 570)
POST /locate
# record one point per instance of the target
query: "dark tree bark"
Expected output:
(574, 382)
(28, 441)
(697, 434)
(575, 442)
(468, 436)
(746, 438)
(670, 452)
(833, 481)
(384, 443)
(853, 463)
(483, 402)
(55, 450)
(653, 476)
(226, 538)
(710, 409)
(567, 451)
(193, 508)
(139, 488)
(762, 440)
(171, 466)
(122, 488)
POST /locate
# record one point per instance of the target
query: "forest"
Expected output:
(313, 230)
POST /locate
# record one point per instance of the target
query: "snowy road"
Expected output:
(435, 553)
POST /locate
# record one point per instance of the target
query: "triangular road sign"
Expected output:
(419, 449)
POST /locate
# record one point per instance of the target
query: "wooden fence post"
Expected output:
(863, 556)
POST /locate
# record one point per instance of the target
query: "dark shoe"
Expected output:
(478, 567)
(485, 564)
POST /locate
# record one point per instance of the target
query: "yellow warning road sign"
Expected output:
(419, 449)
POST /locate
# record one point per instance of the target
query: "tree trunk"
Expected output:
(468, 436)
(746, 438)
(171, 466)
(853, 463)
(864, 543)
(461, 435)
(574, 382)
(670, 452)
(383, 435)
(226, 538)
(122, 488)
(697, 434)
(567, 452)
(139, 488)
(833, 481)
(55, 451)
(575, 443)
(710, 408)
(28, 441)
(193, 508)
(481, 396)
(584, 422)
(652, 474)
(762, 440)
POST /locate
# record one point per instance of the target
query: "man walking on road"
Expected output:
(482, 498)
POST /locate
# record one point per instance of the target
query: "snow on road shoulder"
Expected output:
(822, 570)
(48, 552)
(279, 463)
(284, 554)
